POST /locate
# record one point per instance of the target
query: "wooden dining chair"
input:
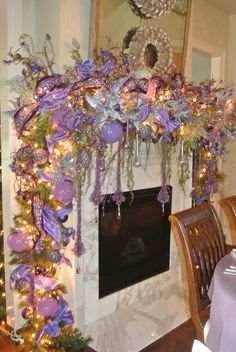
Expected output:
(229, 206)
(201, 236)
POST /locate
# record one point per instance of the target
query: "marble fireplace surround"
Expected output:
(132, 318)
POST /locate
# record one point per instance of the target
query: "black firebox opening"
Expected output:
(136, 246)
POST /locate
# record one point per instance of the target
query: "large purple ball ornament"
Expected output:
(47, 307)
(18, 241)
(64, 190)
(112, 132)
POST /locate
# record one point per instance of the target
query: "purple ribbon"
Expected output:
(24, 115)
(21, 272)
(46, 84)
(169, 124)
(54, 98)
(64, 211)
(45, 177)
(45, 283)
(50, 224)
(55, 138)
(63, 316)
(86, 69)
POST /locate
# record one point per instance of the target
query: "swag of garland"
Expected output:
(97, 112)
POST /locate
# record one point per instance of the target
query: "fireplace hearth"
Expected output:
(135, 246)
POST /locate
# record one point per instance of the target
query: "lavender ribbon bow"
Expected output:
(169, 124)
(24, 115)
(54, 139)
(63, 316)
(50, 224)
(45, 283)
(86, 69)
(54, 98)
(21, 272)
(65, 211)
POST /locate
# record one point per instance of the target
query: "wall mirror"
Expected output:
(113, 19)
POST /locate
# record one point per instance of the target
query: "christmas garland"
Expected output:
(66, 124)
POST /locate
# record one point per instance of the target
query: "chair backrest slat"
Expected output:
(229, 206)
(202, 239)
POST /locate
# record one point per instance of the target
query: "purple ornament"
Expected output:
(26, 313)
(40, 156)
(18, 241)
(64, 190)
(47, 307)
(63, 120)
(112, 132)
(63, 218)
(86, 69)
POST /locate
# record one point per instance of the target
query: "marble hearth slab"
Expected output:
(138, 325)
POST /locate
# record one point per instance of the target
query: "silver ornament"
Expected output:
(40, 156)
(85, 158)
(54, 256)
(20, 285)
(145, 132)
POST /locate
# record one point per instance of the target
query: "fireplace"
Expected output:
(135, 246)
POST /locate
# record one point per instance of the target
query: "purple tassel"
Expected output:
(79, 246)
(31, 281)
(118, 196)
(211, 185)
(194, 193)
(96, 196)
(163, 196)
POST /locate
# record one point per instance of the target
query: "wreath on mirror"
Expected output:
(151, 8)
(136, 10)
(181, 7)
(148, 49)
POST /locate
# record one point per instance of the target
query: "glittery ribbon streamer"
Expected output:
(37, 208)
(96, 196)
(163, 196)
(24, 115)
(31, 281)
(194, 193)
(118, 196)
(211, 185)
(79, 246)
(126, 142)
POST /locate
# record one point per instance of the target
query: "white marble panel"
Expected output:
(133, 317)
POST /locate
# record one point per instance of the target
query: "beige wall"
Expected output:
(230, 158)
(208, 33)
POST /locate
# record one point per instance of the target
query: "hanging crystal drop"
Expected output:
(126, 143)
(136, 162)
(118, 213)
(181, 153)
(163, 209)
